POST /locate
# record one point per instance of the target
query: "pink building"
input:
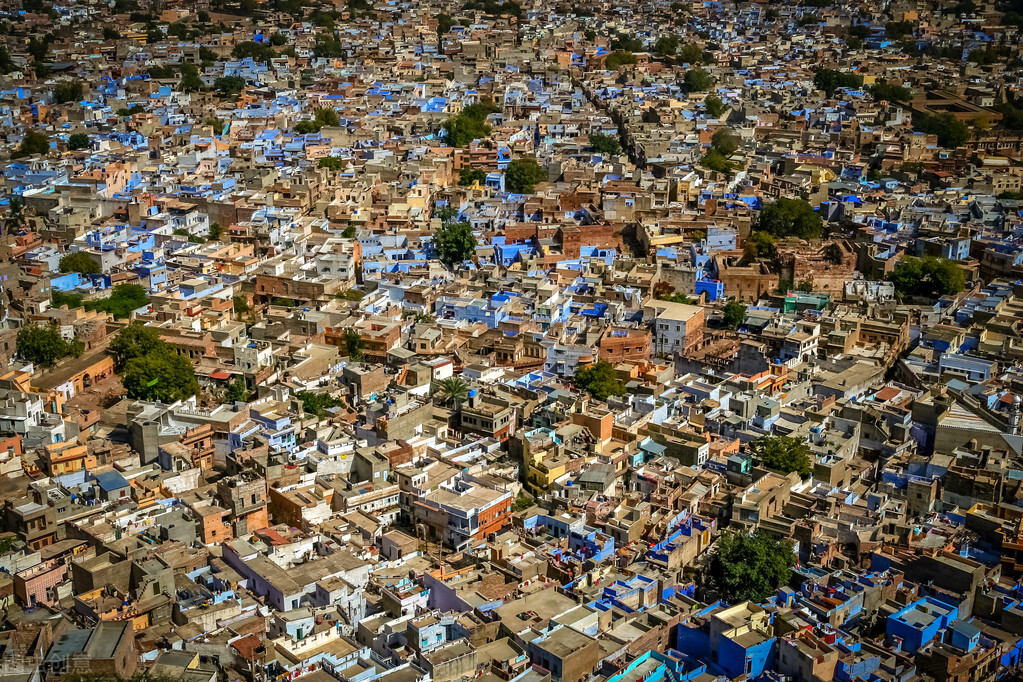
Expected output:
(38, 585)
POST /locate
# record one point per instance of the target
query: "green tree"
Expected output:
(697, 80)
(277, 39)
(354, 346)
(605, 144)
(6, 63)
(522, 502)
(33, 142)
(666, 46)
(690, 53)
(725, 141)
(929, 277)
(627, 43)
(327, 117)
(62, 298)
(444, 23)
(258, 52)
(161, 376)
(750, 567)
(600, 380)
(237, 391)
(190, 80)
(317, 404)
(618, 59)
(45, 346)
(216, 231)
(882, 90)
(78, 141)
(133, 341)
(805, 287)
(783, 454)
(157, 71)
(675, 297)
(716, 161)
(349, 232)
(734, 314)
(451, 391)
(715, 107)
(79, 261)
(951, 132)
(829, 80)
(897, 29)
(38, 47)
(328, 47)
(522, 175)
(178, 30)
(791, 218)
(454, 243)
(333, 163)
(759, 245)
(124, 299)
(470, 124)
(229, 85)
(467, 176)
(241, 304)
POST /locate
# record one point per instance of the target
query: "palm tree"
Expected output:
(451, 391)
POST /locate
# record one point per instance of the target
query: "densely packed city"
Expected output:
(457, 340)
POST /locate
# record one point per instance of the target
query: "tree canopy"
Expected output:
(950, 131)
(454, 243)
(470, 124)
(79, 261)
(929, 276)
(751, 567)
(467, 176)
(618, 59)
(68, 91)
(791, 218)
(830, 80)
(697, 80)
(734, 314)
(229, 85)
(78, 141)
(133, 341)
(451, 391)
(237, 391)
(605, 144)
(522, 175)
(600, 380)
(882, 90)
(258, 52)
(317, 404)
(124, 299)
(34, 142)
(45, 346)
(715, 107)
(783, 454)
(354, 345)
(161, 376)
